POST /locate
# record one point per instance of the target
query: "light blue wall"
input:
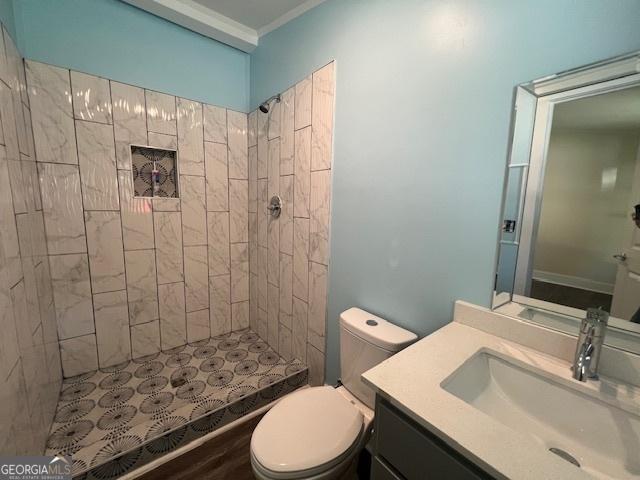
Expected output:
(424, 92)
(115, 40)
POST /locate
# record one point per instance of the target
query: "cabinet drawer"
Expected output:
(379, 471)
(416, 453)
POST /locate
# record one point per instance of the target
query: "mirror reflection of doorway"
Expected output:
(587, 248)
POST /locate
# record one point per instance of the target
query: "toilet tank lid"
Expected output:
(376, 330)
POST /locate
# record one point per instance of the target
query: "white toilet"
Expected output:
(317, 433)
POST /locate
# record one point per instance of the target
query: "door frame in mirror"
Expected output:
(537, 167)
(610, 75)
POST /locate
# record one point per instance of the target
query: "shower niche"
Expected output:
(154, 172)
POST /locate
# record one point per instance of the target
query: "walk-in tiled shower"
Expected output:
(146, 297)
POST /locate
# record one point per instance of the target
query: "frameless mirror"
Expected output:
(570, 229)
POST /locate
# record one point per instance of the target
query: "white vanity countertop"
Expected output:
(411, 380)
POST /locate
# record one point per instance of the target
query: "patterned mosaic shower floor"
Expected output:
(120, 418)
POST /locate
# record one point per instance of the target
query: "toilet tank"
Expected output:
(365, 341)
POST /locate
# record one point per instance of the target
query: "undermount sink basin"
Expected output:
(603, 438)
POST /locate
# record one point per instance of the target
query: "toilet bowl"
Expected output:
(317, 433)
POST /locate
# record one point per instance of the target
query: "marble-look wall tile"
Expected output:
(129, 121)
(10, 123)
(253, 302)
(299, 330)
(319, 216)
(238, 210)
(21, 324)
(263, 144)
(322, 118)
(301, 258)
(62, 207)
(173, 322)
(163, 140)
(218, 238)
(5, 74)
(253, 243)
(286, 215)
(79, 355)
(253, 179)
(142, 288)
(9, 338)
(273, 225)
(263, 216)
(9, 235)
(194, 210)
(275, 120)
(106, 258)
(163, 204)
(262, 325)
(96, 154)
(302, 173)
(190, 137)
(220, 304)
(273, 310)
(303, 103)
(45, 301)
(273, 251)
(18, 185)
(91, 98)
(29, 132)
(252, 133)
(215, 124)
(217, 179)
(262, 278)
(30, 177)
(284, 343)
(273, 173)
(145, 339)
(52, 114)
(285, 320)
(286, 283)
(240, 315)
(286, 132)
(318, 278)
(72, 295)
(161, 112)
(112, 328)
(315, 362)
(38, 236)
(137, 215)
(198, 326)
(238, 149)
(239, 272)
(168, 230)
(196, 275)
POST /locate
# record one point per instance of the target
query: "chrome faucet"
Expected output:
(592, 331)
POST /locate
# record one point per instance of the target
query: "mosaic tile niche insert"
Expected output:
(154, 172)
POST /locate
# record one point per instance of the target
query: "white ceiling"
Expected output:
(255, 14)
(614, 110)
(238, 23)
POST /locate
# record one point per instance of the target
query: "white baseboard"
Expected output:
(571, 281)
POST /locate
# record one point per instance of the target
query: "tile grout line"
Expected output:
(84, 226)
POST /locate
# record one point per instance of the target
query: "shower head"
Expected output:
(264, 106)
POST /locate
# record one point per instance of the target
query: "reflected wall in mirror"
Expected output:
(570, 237)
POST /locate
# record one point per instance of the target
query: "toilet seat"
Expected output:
(307, 433)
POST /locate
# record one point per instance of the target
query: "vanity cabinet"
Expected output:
(405, 450)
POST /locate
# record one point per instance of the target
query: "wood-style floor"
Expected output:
(223, 457)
